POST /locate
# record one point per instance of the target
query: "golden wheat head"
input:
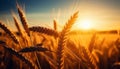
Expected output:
(33, 49)
(9, 32)
(62, 40)
(55, 25)
(23, 19)
(44, 30)
(17, 23)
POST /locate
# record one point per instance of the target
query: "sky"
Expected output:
(102, 14)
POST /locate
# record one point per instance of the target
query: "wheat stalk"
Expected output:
(62, 40)
(71, 53)
(44, 30)
(25, 26)
(23, 19)
(9, 32)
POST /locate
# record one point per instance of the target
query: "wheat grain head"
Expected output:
(62, 40)
(9, 32)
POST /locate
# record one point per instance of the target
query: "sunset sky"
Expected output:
(100, 14)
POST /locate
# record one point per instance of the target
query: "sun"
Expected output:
(85, 24)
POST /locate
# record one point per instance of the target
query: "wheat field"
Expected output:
(39, 47)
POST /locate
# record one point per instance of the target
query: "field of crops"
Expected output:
(39, 47)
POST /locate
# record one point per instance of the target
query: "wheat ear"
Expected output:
(23, 19)
(89, 56)
(33, 49)
(44, 30)
(92, 43)
(62, 40)
(16, 21)
(9, 32)
(55, 25)
(17, 24)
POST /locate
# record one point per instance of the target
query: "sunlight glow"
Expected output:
(85, 24)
